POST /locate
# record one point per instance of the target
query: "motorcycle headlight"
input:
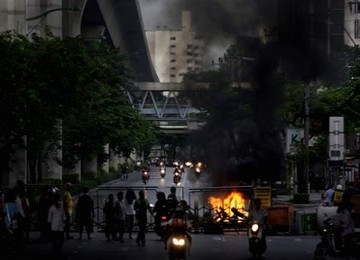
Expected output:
(254, 227)
(178, 241)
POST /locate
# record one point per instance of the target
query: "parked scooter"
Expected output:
(257, 243)
(327, 248)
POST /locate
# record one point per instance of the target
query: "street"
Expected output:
(227, 246)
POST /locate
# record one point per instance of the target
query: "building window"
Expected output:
(189, 61)
(357, 28)
(172, 46)
(172, 68)
(189, 46)
(172, 38)
(354, 6)
(172, 75)
(173, 60)
(172, 53)
(189, 53)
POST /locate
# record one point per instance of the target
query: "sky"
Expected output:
(218, 21)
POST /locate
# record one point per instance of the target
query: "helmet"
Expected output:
(339, 187)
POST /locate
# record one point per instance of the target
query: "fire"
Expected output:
(233, 200)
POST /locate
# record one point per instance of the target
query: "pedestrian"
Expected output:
(130, 199)
(172, 201)
(160, 209)
(24, 208)
(109, 211)
(85, 213)
(45, 202)
(141, 208)
(120, 216)
(68, 208)
(57, 219)
(12, 214)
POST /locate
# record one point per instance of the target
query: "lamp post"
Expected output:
(43, 15)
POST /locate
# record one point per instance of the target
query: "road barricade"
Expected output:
(281, 219)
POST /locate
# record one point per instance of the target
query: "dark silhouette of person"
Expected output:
(85, 213)
(141, 208)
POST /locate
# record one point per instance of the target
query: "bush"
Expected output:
(301, 198)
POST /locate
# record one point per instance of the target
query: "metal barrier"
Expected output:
(99, 208)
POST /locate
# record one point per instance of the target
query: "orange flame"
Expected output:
(233, 200)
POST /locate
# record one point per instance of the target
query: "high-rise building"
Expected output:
(175, 52)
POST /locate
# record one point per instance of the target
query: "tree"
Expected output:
(67, 90)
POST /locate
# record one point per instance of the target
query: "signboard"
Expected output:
(294, 137)
(336, 138)
(264, 193)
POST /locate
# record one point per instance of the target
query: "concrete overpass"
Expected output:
(119, 22)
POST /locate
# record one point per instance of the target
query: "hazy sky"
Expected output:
(219, 21)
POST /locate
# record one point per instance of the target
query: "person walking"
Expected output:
(56, 219)
(68, 208)
(109, 211)
(85, 213)
(120, 216)
(130, 199)
(141, 207)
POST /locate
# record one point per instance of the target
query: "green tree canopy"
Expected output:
(69, 90)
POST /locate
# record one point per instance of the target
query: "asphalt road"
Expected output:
(226, 246)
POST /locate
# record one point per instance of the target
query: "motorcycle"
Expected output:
(177, 177)
(178, 242)
(257, 243)
(145, 176)
(198, 168)
(160, 226)
(327, 245)
(162, 171)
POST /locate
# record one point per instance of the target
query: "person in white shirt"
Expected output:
(56, 219)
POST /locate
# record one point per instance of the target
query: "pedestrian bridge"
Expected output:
(169, 105)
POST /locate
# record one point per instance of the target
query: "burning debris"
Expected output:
(221, 206)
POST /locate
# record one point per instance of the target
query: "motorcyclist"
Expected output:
(160, 209)
(179, 221)
(259, 214)
(345, 227)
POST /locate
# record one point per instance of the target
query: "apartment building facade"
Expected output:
(175, 52)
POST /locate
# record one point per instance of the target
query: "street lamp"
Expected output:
(42, 16)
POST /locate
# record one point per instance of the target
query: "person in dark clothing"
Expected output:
(45, 202)
(141, 207)
(172, 201)
(109, 211)
(85, 213)
(160, 209)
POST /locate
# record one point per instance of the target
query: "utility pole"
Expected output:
(306, 136)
